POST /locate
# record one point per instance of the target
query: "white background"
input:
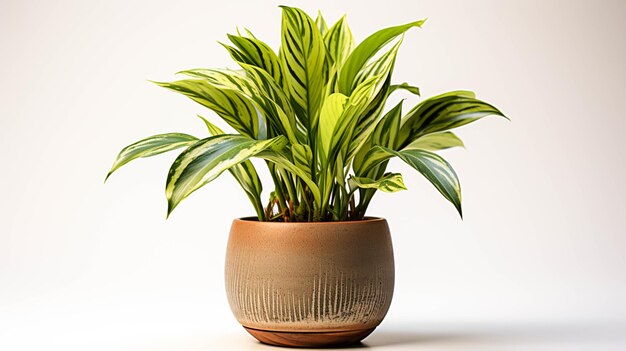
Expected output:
(539, 262)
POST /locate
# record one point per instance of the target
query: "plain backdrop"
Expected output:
(539, 262)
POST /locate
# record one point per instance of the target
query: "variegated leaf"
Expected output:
(389, 183)
(154, 145)
(207, 159)
(436, 141)
(384, 134)
(330, 114)
(321, 23)
(443, 112)
(234, 107)
(302, 157)
(244, 173)
(259, 87)
(257, 53)
(339, 42)
(357, 104)
(365, 51)
(432, 166)
(281, 161)
(405, 86)
(304, 59)
(381, 66)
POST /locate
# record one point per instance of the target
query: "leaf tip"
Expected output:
(170, 208)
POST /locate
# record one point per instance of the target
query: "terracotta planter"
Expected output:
(309, 284)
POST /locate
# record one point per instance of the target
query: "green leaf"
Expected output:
(321, 23)
(405, 86)
(234, 107)
(259, 87)
(384, 134)
(436, 141)
(390, 183)
(339, 42)
(366, 123)
(366, 50)
(281, 161)
(272, 100)
(212, 128)
(443, 112)
(432, 166)
(302, 157)
(255, 52)
(154, 145)
(382, 66)
(303, 57)
(331, 112)
(207, 159)
(356, 105)
(245, 174)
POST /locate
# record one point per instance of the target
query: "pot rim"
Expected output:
(254, 219)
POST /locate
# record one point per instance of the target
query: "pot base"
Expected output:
(309, 339)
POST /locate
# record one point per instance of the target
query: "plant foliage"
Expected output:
(315, 113)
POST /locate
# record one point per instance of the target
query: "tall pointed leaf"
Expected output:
(257, 53)
(321, 23)
(207, 159)
(405, 86)
(303, 57)
(245, 174)
(154, 145)
(234, 107)
(331, 112)
(432, 166)
(443, 112)
(339, 42)
(366, 50)
(384, 134)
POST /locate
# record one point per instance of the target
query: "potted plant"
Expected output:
(311, 269)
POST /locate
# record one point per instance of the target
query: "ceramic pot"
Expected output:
(309, 284)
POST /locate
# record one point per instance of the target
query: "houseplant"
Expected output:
(310, 269)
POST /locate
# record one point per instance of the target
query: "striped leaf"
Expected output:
(320, 22)
(443, 112)
(389, 183)
(339, 42)
(432, 166)
(356, 105)
(234, 107)
(272, 96)
(224, 78)
(244, 173)
(303, 57)
(405, 86)
(365, 51)
(381, 66)
(436, 141)
(302, 157)
(384, 134)
(154, 145)
(207, 159)
(282, 162)
(331, 112)
(255, 52)
(259, 87)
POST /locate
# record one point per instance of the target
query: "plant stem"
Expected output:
(282, 204)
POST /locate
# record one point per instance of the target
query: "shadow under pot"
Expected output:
(309, 284)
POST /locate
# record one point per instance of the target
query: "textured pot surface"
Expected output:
(328, 278)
